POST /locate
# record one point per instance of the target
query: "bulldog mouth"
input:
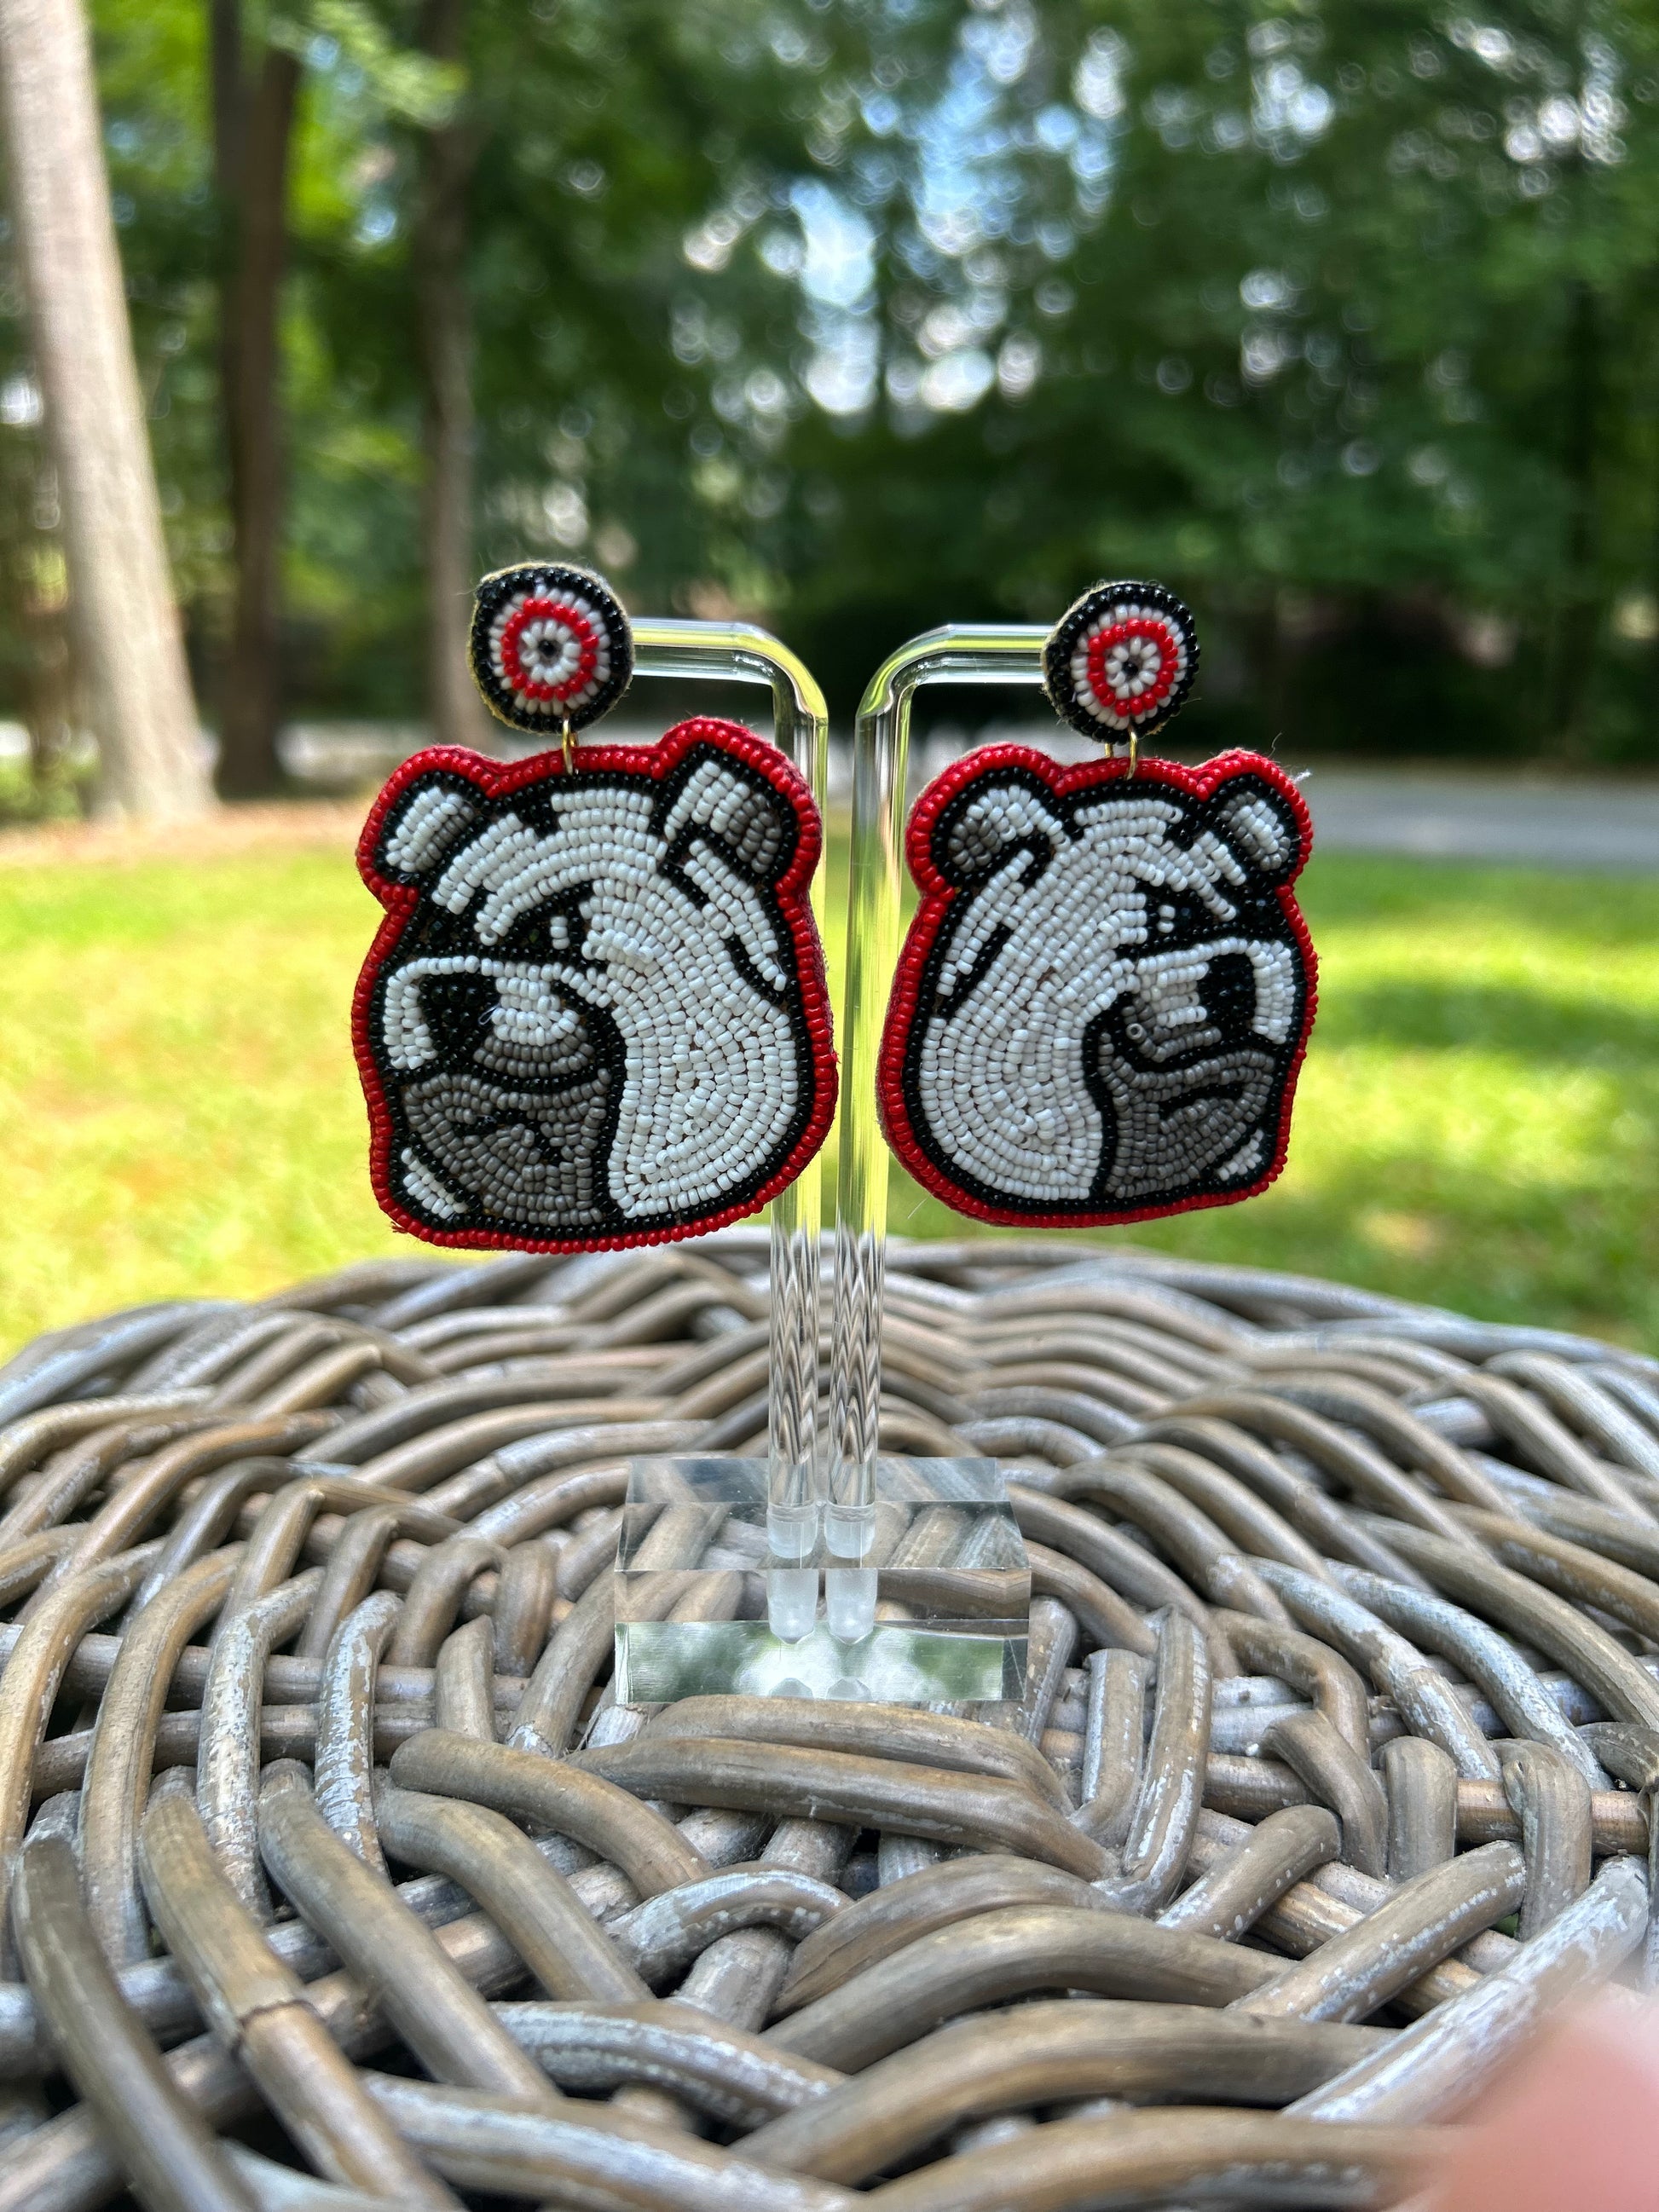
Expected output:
(1167, 1125)
(529, 1157)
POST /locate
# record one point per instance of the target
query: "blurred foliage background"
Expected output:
(1340, 316)
(853, 316)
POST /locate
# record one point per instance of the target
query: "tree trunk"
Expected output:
(251, 354)
(123, 620)
(444, 311)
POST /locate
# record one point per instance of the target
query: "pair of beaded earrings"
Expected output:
(595, 1014)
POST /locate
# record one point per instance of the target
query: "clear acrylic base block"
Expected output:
(930, 1588)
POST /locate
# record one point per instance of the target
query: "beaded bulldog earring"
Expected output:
(595, 1014)
(1104, 998)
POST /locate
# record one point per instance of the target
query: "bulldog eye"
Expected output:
(543, 930)
(1135, 1031)
(1229, 991)
(1179, 917)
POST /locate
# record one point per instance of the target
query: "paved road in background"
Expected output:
(1576, 822)
(1570, 823)
(1550, 821)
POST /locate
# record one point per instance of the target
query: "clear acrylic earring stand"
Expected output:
(950, 1539)
(765, 1512)
(927, 1584)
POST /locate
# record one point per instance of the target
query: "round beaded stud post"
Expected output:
(1121, 662)
(551, 648)
(1104, 999)
(595, 1014)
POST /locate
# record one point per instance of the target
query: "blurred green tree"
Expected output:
(1340, 315)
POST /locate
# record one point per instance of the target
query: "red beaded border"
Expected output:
(937, 897)
(499, 780)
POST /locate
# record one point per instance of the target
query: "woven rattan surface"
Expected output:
(332, 1871)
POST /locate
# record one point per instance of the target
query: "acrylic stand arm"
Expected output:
(961, 653)
(739, 651)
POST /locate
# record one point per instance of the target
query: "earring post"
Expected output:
(960, 653)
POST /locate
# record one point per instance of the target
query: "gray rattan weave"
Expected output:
(334, 1873)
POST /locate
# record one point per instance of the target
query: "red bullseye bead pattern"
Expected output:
(1121, 661)
(549, 645)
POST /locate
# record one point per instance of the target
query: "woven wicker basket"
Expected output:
(336, 1876)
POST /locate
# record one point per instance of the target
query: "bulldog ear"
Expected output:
(429, 815)
(989, 819)
(1261, 826)
(738, 810)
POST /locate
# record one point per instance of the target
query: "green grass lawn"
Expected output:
(1478, 1123)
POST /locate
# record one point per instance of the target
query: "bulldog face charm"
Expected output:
(595, 1014)
(1104, 999)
